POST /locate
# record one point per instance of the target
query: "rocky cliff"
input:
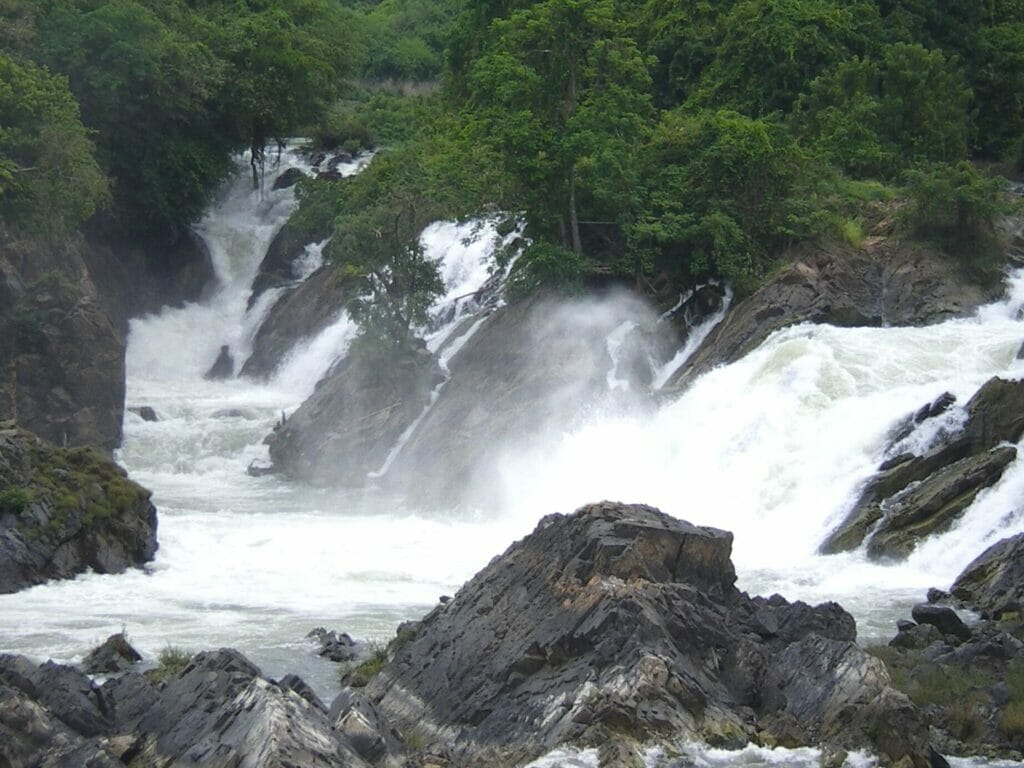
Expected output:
(63, 511)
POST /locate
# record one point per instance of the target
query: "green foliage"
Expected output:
(722, 195)
(49, 178)
(171, 662)
(14, 499)
(771, 49)
(546, 266)
(360, 675)
(874, 118)
(957, 207)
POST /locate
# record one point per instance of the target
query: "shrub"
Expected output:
(14, 499)
(171, 662)
(546, 265)
(359, 675)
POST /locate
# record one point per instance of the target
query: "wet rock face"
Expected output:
(994, 582)
(347, 428)
(912, 497)
(619, 620)
(884, 283)
(301, 313)
(61, 356)
(63, 511)
(277, 270)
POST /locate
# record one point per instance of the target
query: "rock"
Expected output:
(620, 618)
(369, 733)
(288, 178)
(935, 504)
(114, 655)
(299, 314)
(31, 736)
(994, 582)
(333, 646)
(66, 692)
(945, 619)
(347, 428)
(885, 283)
(937, 595)
(917, 636)
(277, 270)
(221, 711)
(529, 369)
(224, 367)
(145, 413)
(62, 356)
(913, 496)
(66, 510)
(297, 684)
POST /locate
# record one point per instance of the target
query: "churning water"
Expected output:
(772, 447)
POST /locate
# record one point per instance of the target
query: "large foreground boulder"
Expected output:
(621, 624)
(66, 510)
(914, 496)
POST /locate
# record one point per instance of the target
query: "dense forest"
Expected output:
(638, 138)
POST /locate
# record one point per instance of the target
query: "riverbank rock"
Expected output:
(301, 313)
(347, 428)
(621, 624)
(62, 358)
(115, 654)
(886, 282)
(67, 510)
(218, 711)
(278, 270)
(914, 496)
(994, 582)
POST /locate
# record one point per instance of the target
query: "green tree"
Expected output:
(877, 117)
(49, 179)
(723, 193)
(562, 95)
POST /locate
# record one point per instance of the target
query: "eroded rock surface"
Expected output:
(994, 582)
(912, 496)
(66, 510)
(618, 624)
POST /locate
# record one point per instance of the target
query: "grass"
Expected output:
(359, 675)
(171, 662)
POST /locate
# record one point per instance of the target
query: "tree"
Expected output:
(876, 117)
(49, 179)
(722, 195)
(562, 94)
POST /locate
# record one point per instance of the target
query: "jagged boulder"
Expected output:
(115, 654)
(277, 269)
(994, 582)
(66, 510)
(348, 427)
(620, 624)
(912, 496)
(223, 367)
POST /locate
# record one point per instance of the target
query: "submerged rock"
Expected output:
(620, 619)
(66, 510)
(146, 413)
(335, 646)
(912, 497)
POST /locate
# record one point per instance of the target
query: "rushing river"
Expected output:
(772, 447)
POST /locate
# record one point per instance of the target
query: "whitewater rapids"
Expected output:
(772, 447)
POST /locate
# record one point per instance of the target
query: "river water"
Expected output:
(772, 448)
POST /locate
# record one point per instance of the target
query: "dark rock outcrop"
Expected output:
(218, 711)
(994, 582)
(63, 511)
(915, 496)
(61, 358)
(300, 314)
(115, 654)
(288, 178)
(335, 646)
(887, 282)
(223, 367)
(145, 412)
(347, 428)
(621, 624)
(277, 270)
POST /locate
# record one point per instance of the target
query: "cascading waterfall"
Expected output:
(772, 447)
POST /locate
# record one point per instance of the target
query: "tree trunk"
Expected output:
(574, 220)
